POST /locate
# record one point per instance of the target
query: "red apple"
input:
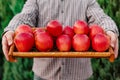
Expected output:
(38, 30)
(43, 41)
(69, 31)
(54, 28)
(100, 42)
(81, 27)
(24, 41)
(64, 43)
(94, 29)
(81, 42)
(23, 28)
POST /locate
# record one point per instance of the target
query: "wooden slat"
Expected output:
(63, 54)
(112, 56)
(109, 54)
(10, 54)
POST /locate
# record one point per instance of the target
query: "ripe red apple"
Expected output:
(69, 31)
(24, 41)
(94, 29)
(54, 28)
(81, 42)
(23, 28)
(64, 43)
(100, 42)
(38, 30)
(43, 41)
(81, 27)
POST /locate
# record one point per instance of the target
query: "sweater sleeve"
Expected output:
(96, 15)
(27, 16)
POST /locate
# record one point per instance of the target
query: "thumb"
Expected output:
(112, 43)
(113, 38)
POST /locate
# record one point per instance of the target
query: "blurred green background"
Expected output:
(103, 69)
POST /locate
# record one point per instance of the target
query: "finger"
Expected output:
(5, 47)
(116, 49)
(113, 41)
(9, 37)
(113, 38)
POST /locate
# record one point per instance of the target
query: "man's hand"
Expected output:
(7, 41)
(114, 42)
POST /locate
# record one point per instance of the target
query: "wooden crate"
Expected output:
(56, 54)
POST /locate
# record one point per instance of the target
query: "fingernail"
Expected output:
(112, 45)
(10, 43)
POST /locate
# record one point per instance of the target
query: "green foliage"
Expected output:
(22, 70)
(1, 62)
(104, 70)
(8, 9)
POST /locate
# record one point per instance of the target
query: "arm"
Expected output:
(27, 16)
(96, 15)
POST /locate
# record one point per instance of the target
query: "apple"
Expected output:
(81, 42)
(64, 43)
(69, 31)
(100, 42)
(38, 30)
(81, 27)
(94, 29)
(24, 41)
(23, 28)
(43, 41)
(54, 28)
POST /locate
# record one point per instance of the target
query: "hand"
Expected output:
(7, 41)
(114, 42)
